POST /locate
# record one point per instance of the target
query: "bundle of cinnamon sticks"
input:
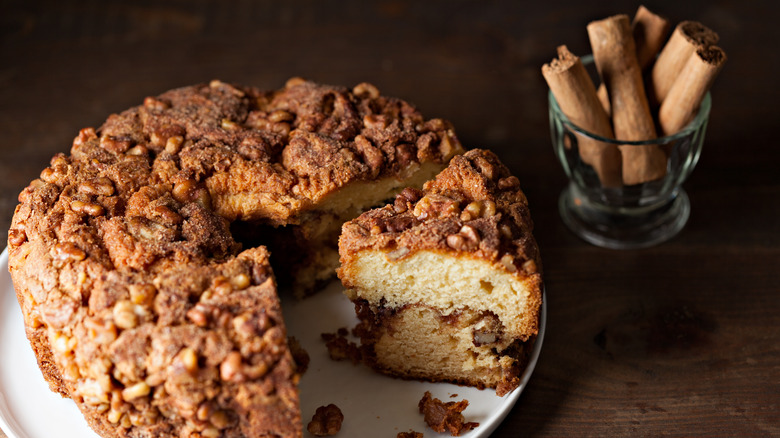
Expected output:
(638, 82)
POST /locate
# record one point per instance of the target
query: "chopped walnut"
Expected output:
(510, 182)
(340, 348)
(436, 206)
(16, 237)
(467, 239)
(445, 417)
(326, 421)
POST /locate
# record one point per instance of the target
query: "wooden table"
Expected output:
(679, 339)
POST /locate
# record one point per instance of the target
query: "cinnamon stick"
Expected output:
(650, 31)
(614, 53)
(576, 96)
(687, 37)
(682, 103)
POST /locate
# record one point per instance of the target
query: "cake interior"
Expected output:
(306, 255)
(459, 319)
(447, 283)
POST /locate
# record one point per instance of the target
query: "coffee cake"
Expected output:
(145, 295)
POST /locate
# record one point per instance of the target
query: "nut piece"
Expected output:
(222, 285)
(509, 182)
(484, 338)
(399, 205)
(210, 432)
(124, 315)
(137, 150)
(281, 116)
(167, 215)
(397, 254)
(422, 207)
(198, 315)
(411, 194)
(445, 417)
(100, 331)
(489, 209)
(220, 419)
(173, 145)
(133, 392)
(16, 237)
(142, 293)
(466, 240)
(366, 89)
(63, 343)
(240, 281)
(84, 136)
(529, 266)
(115, 144)
(478, 209)
(470, 233)
(506, 231)
(153, 103)
(189, 359)
(190, 191)
(229, 125)
(456, 241)
(448, 144)
(68, 252)
(509, 263)
(472, 211)
(326, 421)
(485, 167)
(101, 186)
(230, 368)
(87, 208)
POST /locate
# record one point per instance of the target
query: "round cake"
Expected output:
(146, 296)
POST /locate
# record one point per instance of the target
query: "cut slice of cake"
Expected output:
(447, 281)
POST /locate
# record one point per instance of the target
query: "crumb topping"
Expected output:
(474, 206)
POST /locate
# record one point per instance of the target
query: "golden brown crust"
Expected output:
(138, 301)
(474, 207)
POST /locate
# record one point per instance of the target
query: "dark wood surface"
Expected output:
(679, 339)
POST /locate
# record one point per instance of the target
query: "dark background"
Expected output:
(680, 339)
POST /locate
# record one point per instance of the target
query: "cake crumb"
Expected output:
(341, 348)
(326, 421)
(410, 434)
(299, 354)
(445, 417)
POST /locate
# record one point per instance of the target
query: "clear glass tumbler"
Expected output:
(627, 216)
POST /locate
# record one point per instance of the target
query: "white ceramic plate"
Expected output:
(370, 402)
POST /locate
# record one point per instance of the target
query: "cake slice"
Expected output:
(447, 281)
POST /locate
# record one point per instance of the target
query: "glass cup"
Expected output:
(626, 216)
